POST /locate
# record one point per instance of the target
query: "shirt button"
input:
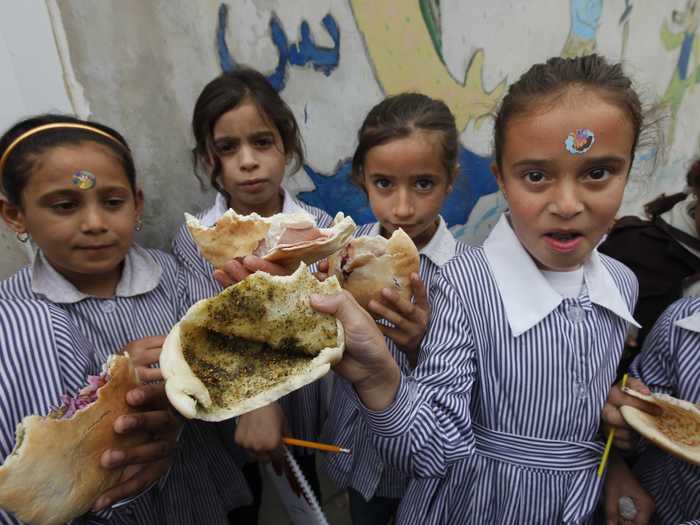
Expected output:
(108, 306)
(581, 390)
(576, 314)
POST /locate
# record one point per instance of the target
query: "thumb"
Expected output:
(636, 384)
(328, 304)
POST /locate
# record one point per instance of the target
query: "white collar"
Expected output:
(440, 248)
(140, 275)
(527, 296)
(691, 322)
(289, 205)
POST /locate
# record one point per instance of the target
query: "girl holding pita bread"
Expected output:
(246, 138)
(669, 364)
(499, 422)
(70, 186)
(406, 163)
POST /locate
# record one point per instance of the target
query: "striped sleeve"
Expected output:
(654, 364)
(428, 427)
(195, 271)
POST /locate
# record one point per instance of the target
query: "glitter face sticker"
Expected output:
(579, 141)
(84, 180)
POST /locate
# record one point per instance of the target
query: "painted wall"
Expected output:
(139, 67)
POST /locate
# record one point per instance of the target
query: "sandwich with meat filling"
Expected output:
(53, 473)
(285, 238)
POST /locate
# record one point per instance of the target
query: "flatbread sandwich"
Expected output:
(53, 474)
(285, 238)
(255, 342)
(367, 264)
(676, 430)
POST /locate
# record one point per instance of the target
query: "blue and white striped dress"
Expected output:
(499, 421)
(303, 408)
(204, 482)
(669, 363)
(42, 356)
(364, 470)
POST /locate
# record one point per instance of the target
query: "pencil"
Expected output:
(317, 446)
(611, 436)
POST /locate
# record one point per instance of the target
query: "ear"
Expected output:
(499, 176)
(12, 215)
(138, 202)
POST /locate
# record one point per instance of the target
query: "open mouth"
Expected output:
(564, 241)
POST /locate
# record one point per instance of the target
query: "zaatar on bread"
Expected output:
(255, 342)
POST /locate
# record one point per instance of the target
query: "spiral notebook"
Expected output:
(296, 494)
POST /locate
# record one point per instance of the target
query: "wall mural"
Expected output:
(333, 59)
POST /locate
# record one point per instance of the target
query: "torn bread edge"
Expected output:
(190, 396)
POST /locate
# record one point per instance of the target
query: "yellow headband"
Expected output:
(55, 125)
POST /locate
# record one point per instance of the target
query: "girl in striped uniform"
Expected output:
(406, 163)
(499, 422)
(70, 185)
(246, 135)
(43, 357)
(669, 364)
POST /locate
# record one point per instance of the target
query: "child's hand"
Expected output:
(145, 352)
(620, 482)
(322, 270)
(367, 362)
(146, 463)
(625, 437)
(236, 270)
(260, 433)
(410, 320)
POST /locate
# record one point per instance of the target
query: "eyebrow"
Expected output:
(605, 159)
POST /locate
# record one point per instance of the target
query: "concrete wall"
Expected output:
(139, 65)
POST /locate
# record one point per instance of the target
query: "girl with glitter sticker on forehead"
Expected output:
(499, 422)
(70, 186)
(245, 138)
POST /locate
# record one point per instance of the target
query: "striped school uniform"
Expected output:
(669, 363)
(364, 470)
(204, 482)
(499, 421)
(42, 356)
(303, 407)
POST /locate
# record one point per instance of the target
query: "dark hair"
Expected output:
(664, 203)
(553, 78)
(20, 162)
(226, 92)
(397, 117)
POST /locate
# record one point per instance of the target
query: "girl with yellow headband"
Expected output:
(70, 186)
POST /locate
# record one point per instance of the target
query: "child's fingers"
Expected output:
(253, 264)
(407, 309)
(145, 357)
(142, 454)
(133, 485)
(387, 313)
(635, 384)
(147, 374)
(420, 294)
(322, 266)
(155, 421)
(231, 273)
(152, 395)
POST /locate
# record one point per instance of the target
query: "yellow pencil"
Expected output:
(611, 436)
(317, 446)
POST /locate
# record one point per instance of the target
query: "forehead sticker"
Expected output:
(579, 141)
(84, 180)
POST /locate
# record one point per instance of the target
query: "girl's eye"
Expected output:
(598, 174)
(382, 184)
(224, 146)
(64, 206)
(425, 184)
(263, 142)
(535, 177)
(114, 202)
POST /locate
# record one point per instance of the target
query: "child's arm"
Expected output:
(260, 433)
(626, 438)
(410, 319)
(620, 482)
(420, 424)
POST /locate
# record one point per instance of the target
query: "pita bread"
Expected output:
(53, 474)
(255, 342)
(677, 430)
(236, 236)
(368, 264)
